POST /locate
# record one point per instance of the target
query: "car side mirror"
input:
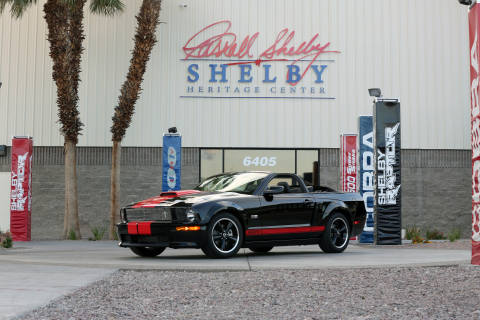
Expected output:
(273, 190)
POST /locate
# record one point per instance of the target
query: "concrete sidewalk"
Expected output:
(24, 288)
(106, 254)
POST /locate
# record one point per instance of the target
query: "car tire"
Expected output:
(261, 249)
(147, 251)
(336, 236)
(224, 236)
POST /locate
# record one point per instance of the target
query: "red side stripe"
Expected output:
(144, 227)
(132, 228)
(256, 232)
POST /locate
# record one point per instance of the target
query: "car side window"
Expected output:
(290, 184)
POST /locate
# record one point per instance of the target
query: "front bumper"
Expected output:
(151, 234)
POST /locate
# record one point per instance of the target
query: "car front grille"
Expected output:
(154, 214)
(145, 239)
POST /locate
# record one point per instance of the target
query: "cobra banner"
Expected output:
(365, 173)
(172, 162)
(474, 21)
(21, 189)
(348, 154)
(387, 172)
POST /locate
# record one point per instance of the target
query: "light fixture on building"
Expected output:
(465, 2)
(0, 84)
(172, 130)
(375, 92)
(182, 5)
(3, 150)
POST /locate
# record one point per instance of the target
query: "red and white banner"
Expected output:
(474, 21)
(21, 188)
(348, 154)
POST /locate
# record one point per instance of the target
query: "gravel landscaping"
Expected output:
(392, 293)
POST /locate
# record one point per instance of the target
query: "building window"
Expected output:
(303, 162)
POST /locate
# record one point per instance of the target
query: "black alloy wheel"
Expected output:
(336, 236)
(224, 236)
(147, 251)
(261, 249)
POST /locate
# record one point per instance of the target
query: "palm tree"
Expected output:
(147, 21)
(65, 34)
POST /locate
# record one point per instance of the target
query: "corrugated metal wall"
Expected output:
(416, 50)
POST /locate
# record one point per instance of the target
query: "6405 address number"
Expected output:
(264, 161)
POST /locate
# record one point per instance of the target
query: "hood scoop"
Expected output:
(178, 193)
(153, 202)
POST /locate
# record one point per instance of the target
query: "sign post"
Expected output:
(21, 189)
(365, 173)
(172, 162)
(387, 176)
(474, 27)
(348, 154)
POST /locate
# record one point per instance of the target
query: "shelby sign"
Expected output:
(231, 62)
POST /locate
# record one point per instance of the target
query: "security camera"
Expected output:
(465, 2)
(183, 5)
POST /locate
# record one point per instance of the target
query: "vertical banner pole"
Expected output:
(387, 173)
(21, 189)
(172, 162)
(365, 173)
(474, 26)
(348, 154)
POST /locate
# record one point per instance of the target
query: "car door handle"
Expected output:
(307, 200)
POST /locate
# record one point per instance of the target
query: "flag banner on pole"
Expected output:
(348, 154)
(172, 162)
(21, 189)
(365, 173)
(387, 172)
(474, 26)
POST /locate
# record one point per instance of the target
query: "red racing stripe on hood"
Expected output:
(152, 202)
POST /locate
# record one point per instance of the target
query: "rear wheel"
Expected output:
(224, 236)
(261, 249)
(147, 251)
(335, 238)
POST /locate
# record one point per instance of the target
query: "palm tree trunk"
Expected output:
(71, 177)
(147, 21)
(115, 188)
(65, 219)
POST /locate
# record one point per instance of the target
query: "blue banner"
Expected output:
(365, 171)
(172, 162)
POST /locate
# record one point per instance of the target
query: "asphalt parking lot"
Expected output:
(46, 270)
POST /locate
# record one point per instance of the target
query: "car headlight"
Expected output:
(191, 215)
(187, 215)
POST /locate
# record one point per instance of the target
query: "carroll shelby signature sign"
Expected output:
(237, 57)
(388, 205)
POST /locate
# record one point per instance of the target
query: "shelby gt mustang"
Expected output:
(255, 210)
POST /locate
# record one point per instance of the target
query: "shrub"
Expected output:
(412, 232)
(6, 239)
(417, 239)
(98, 231)
(434, 235)
(72, 235)
(454, 234)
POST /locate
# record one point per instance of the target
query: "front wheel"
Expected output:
(147, 251)
(224, 236)
(335, 237)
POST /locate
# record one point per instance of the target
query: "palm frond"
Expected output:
(18, 7)
(107, 7)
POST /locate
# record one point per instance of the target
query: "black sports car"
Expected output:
(257, 210)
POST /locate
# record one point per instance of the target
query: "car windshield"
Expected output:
(244, 182)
